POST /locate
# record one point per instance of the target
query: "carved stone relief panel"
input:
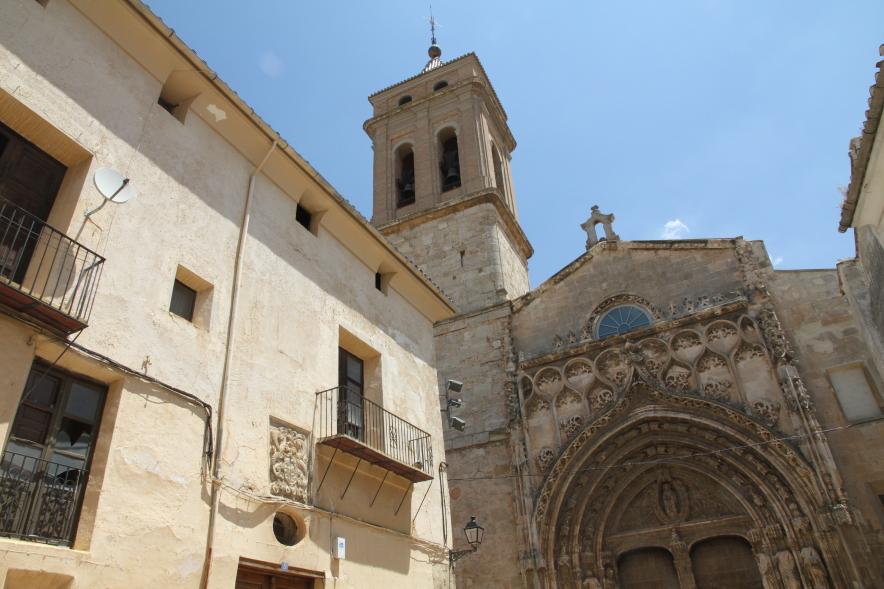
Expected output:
(288, 463)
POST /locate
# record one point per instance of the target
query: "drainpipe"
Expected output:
(225, 375)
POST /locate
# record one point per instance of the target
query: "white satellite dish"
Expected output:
(113, 186)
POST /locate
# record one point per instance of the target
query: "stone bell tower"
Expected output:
(443, 192)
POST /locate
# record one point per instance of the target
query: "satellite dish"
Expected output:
(113, 186)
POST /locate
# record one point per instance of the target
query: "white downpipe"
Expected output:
(228, 356)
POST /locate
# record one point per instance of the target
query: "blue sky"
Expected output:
(693, 118)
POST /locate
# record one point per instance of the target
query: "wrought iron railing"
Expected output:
(39, 500)
(344, 412)
(49, 267)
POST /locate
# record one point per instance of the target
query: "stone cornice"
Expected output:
(485, 196)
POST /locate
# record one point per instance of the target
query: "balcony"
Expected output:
(349, 422)
(44, 274)
(39, 500)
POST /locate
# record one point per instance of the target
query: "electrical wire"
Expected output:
(665, 461)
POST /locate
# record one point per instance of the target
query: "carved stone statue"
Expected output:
(669, 499)
(788, 572)
(766, 567)
(813, 564)
(288, 463)
(591, 582)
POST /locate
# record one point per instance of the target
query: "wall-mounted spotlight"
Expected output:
(453, 386)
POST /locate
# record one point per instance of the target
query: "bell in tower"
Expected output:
(450, 165)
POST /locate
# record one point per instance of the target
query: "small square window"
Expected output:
(183, 300)
(304, 217)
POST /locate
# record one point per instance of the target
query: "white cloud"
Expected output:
(271, 64)
(777, 261)
(674, 229)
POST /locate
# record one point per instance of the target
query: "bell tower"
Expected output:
(443, 193)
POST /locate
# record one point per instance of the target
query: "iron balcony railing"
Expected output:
(39, 500)
(41, 266)
(343, 412)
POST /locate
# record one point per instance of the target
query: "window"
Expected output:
(183, 300)
(44, 465)
(378, 280)
(440, 85)
(167, 106)
(855, 393)
(621, 320)
(351, 380)
(404, 176)
(404, 100)
(498, 171)
(285, 529)
(303, 216)
(450, 164)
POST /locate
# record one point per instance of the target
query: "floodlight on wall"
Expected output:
(474, 534)
(453, 386)
(457, 423)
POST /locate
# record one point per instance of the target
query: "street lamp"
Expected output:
(475, 534)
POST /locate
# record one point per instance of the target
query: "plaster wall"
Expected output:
(870, 206)
(144, 522)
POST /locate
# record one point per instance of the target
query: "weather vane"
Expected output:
(432, 26)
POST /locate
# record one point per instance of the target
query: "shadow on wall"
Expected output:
(24, 579)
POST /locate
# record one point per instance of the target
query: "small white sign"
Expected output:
(283, 566)
(340, 548)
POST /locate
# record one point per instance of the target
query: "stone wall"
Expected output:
(825, 329)
(468, 254)
(661, 273)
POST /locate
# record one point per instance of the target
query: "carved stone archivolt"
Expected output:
(288, 463)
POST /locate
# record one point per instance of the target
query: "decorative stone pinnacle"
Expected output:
(607, 224)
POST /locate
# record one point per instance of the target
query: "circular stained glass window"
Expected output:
(621, 320)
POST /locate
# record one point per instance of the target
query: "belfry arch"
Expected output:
(671, 474)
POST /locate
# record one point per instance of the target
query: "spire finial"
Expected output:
(434, 51)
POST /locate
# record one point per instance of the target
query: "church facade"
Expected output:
(658, 413)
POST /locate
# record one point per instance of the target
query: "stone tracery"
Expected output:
(683, 421)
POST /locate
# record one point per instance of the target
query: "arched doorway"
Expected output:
(725, 563)
(647, 568)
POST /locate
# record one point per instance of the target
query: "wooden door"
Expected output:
(29, 179)
(351, 377)
(246, 579)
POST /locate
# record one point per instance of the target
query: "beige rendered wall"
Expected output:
(145, 523)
